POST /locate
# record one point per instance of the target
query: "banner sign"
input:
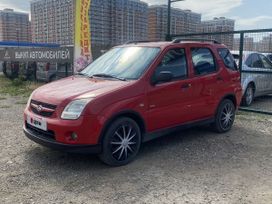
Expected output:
(37, 54)
(82, 47)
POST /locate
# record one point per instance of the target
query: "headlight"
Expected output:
(29, 100)
(74, 109)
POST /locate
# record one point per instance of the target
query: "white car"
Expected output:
(256, 75)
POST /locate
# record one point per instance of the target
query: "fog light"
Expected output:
(74, 136)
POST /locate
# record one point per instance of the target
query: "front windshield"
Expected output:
(123, 62)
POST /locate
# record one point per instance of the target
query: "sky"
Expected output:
(249, 14)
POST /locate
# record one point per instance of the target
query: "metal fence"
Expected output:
(252, 50)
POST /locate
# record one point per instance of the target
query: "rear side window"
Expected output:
(254, 61)
(227, 58)
(266, 63)
(203, 61)
(175, 62)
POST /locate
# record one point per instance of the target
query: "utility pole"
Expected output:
(168, 35)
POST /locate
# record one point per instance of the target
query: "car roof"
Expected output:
(164, 44)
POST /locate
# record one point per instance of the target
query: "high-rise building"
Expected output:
(112, 22)
(221, 24)
(248, 44)
(14, 26)
(182, 22)
(265, 44)
(52, 21)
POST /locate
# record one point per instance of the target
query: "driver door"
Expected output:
(170, 103)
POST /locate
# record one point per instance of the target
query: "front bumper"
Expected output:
(51, 143)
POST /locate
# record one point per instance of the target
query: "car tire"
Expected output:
(248, 96)
(224, 117)
(121, 142)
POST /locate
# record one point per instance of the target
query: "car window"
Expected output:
(266, 63)
(254, 61)
(203, 61)
(175, 62)
(227, 58)
(269, 57)
(129, 62)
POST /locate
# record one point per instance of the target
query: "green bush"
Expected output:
(18, 81)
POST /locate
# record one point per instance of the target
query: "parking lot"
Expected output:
(193, 166)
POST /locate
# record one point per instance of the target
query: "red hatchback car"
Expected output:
(134, 93)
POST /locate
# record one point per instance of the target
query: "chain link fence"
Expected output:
(252, 50)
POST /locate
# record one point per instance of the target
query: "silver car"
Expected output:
(256, 76)
(269, 56)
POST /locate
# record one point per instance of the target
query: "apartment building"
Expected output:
(52, 21)
(221, 24)
(182, 21)
(14, 26)
(249, 44)
(112, 22)
(265, 44)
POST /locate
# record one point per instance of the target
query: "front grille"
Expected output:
(43, 113)
(48, 134)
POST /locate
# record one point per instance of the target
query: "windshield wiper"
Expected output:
(81, 74)
(109, 76)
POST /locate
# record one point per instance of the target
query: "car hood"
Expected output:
(63, 91)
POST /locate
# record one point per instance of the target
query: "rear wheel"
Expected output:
(225, 116)
(248, 96)
(121, 142)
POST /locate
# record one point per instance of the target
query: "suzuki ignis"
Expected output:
(135, 93)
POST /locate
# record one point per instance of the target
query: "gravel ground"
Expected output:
(262, 103)
(193, 166)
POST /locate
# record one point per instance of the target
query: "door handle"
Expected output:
(186, 86)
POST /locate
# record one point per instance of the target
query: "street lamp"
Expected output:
(168, 36)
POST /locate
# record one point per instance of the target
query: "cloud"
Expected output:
(208, 8)
(251, 22)
(23, 6)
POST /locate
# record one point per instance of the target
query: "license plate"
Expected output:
(37, 122)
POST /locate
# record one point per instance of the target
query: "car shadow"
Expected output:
(192, 152)
(41, 156)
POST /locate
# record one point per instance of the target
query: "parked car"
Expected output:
(135, 93)
(46, 71)
(13, 70)
(256, 76)
(269, 56)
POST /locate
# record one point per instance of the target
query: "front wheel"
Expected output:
(225, 116)
(121, 142)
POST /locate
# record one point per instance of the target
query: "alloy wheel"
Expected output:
(227, 116)
(124, 142)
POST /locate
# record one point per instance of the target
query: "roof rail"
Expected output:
(136, 41)
(178, 40)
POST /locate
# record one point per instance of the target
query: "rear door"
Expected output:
(207, 81)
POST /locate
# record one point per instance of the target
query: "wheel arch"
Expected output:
(250, 82)
(231, 97)
(126, 113)
(253, 85)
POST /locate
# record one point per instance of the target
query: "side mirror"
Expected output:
(164, 76)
